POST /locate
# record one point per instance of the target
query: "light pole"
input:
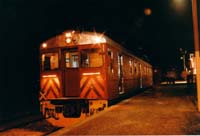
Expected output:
(196, 47)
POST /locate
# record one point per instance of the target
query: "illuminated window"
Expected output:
(120, 65)
(49, 61)
(91, 58)
(131, 66)
(71, 59)
(110, 55)
(135, 68)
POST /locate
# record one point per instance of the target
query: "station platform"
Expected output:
(163, 110)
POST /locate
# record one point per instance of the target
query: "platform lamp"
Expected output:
(196, 47)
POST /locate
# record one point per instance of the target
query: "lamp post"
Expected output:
(196, 47)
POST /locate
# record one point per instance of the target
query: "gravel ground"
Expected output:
(163, 110)
(39, 128)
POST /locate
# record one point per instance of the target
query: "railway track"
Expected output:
(20, 121)
(36, 125)
(29, 125)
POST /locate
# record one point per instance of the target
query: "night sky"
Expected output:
(26, 23)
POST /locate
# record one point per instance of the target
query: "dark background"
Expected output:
(25, 24)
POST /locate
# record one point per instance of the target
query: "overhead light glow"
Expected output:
(180, 6)
(147, 11)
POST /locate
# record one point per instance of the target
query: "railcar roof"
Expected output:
(84, 38)
(78, 38)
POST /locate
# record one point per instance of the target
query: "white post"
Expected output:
(196, 46)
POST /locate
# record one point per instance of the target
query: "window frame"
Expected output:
(76, 51)
(42, 68)
(95, 48)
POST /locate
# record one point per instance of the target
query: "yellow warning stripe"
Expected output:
(50, 88)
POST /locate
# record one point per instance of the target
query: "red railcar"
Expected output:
(82, 71)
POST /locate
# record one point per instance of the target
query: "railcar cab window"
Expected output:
(91, 58)
(49, 61)
(71, 59)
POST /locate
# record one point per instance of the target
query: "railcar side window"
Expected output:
(49, 61)
(111, 67)
(135, 68)
(91, 58)
(131, 66)
(71, 59)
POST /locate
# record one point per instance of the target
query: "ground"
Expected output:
(164, 110)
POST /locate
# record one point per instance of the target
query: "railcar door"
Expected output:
(71, 73)
(120, 74)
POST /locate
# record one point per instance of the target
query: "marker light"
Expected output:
(44, 45)
(68, 40)
(50, 76)
(68, 35)
(89, 74)
(98, 39)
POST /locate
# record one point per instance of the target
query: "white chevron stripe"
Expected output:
(92, 82)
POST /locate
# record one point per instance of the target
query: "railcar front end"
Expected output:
(72, 78)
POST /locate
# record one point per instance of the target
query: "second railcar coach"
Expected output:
(82, 71)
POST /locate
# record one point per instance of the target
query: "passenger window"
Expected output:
(131, 66)
(135, 68)
(49, 61)
(111, 68)
(91, 58)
